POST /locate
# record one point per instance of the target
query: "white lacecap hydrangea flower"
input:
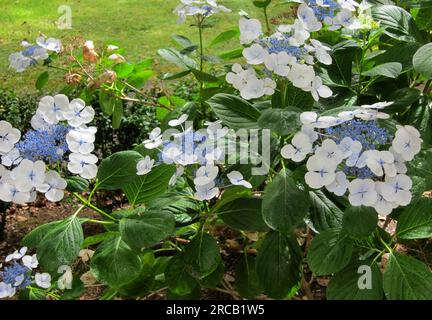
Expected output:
(290, 53)
(350, 152)
(32, 54)
(200, 150)
(60, 132)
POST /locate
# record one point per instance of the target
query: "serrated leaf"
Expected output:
(398, 22)
(389, 70)
(202, 254)
(278, 265)
(281, 121)
(243, 214)
(324, 214)
(116, 171)
(415, 221)
(144, 188)
(406, 278)
(360, 221)
(422, 60)
(77, 184)
(234, 112)
(61, 244)
(115, 263)
(284, 204)
(246, 278)
(344, 285)
(146, 228)
(329, 252)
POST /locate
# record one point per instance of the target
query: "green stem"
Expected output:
(390, 250)
(200, 31)
(92, 192)
(267, 21)
(427, 86)
(91, 206)
(79, 210)
(201, 46)
(58, 68)
(99, 221)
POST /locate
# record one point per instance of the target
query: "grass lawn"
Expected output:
(140, 26)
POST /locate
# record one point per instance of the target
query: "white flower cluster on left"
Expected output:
(34, 54)
(21, 178)
(18, 274)
(349, 152)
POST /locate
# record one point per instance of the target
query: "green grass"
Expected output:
(139, 26)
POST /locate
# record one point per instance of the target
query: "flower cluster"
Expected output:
(198, 8)
(289, 53)
(33, 54)
(59, 127)
(353, 153)
(19, 273)
(199, 149)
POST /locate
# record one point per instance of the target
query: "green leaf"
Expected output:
(261, 3)
(144, 188)
(225, 36)
(279, 265)
(230, 55)
(284, 204)
(246, 278)
(415, 221)
(324, 214)
(143, 65)
(98, 238)
(77, 184)
(243, 214)
(34, 237)
(360, 221)
(398, 22)
(289, 96)
(392, 54)
(402, 98)
(422, 60)
(123, 70)
(117, 170)
(234, 111)
(138, 79)
(230, 194)
(42, 80)
(177, 58)
(389, 70)
(178, 277)
(214, 279)
(344, 285)
(115, 263)
(146, 228)
(202, 254)
(406, 278)
(107, 102)
(281, 121)
(182, 40)
(329, 252)
(174, 76)
(117, 115)
(61, 244)
(202, 76)
(339, 73)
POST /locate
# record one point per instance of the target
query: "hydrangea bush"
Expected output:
(309, 140)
